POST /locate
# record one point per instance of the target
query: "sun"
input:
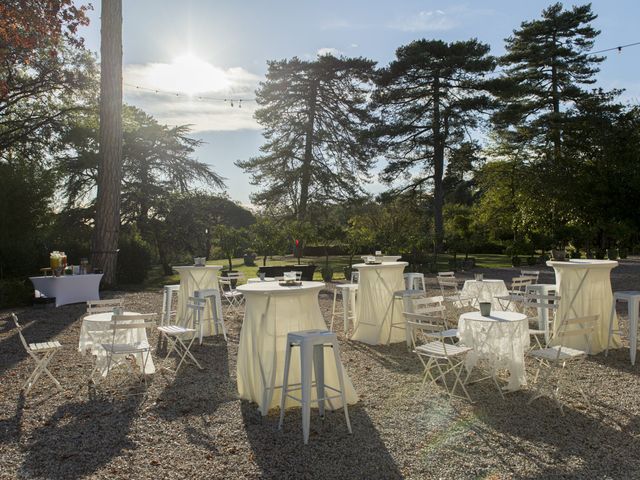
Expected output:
(190, 75)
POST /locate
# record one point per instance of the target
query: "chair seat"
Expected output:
(551, 353)
(44, 346)
(175, 330)
(122, 348)
(437, 349)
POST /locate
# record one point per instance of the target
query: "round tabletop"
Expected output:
(381, 265)
(197, 267)
(583, 263)
(276, 288)
(496, 316)
(260, 280)
(104, 316)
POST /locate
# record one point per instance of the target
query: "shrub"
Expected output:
(15, 293)
(134, 259)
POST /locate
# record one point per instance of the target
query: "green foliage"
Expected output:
(314, 114)
(268, 237)
(134, 258)
(15, 292)
(229, 241)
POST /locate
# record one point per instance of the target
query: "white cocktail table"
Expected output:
(584, 287)
(96, 330)
(69, 288)
(194, 278)
(272, 311)
(375, 313)
(501, 338)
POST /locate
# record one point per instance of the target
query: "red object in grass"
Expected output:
(297, 242)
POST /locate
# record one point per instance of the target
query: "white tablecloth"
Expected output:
(501, 338)
(194, 278)
(69, 288)
(96, 329)
(584, 287)
(486, 291)
(272, 311)
(376, 287)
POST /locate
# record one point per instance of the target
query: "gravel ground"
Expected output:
(194, 426)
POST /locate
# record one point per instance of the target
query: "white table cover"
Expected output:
(69, 288)
(376, 286)
(194, 278)
(502, 339)
(485, 291)
(96, 329)
(272, 311)
(584, 287)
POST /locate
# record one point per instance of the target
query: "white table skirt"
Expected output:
(272, 311)
(501, 338)
(96, 330)
(584, 287)
(69, 288)
(375, 309)
(486, 291)
(194, 278)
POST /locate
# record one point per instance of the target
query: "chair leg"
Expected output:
(343, 393)
(318, 367)
(285, 383)
(609, 334)
(333, 308)
(306, 355)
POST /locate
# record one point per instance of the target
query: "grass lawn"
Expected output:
(156, 278)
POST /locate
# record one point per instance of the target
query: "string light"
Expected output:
(231, 101)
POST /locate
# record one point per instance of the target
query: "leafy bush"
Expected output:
(134, 259)
(15, 293)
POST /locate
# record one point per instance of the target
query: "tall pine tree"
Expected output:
(313, 113)
(547, 64)
(429, 99)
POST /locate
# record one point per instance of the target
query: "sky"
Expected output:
(219, 50)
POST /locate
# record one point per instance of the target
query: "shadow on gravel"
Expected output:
(79, 438)
(194, 392)
(11, 428)
(331, 452)
(396, 357)
(580, 444)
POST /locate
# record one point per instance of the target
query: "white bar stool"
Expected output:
(406, 296)
(312, 344)
(168, 292)
(215, 306)
(632, 297)
(414, 281)
(348, 294)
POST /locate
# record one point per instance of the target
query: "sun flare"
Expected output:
(189, 74)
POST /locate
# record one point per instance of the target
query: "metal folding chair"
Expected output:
(42, 353)
(175, 333)
(102, 306)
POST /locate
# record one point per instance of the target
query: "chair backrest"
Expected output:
(227, 283)
(234, 275)
(429, 306)
(132, 321)
(519, 284)
(214, 294)
(448, 283)
(573, 327)
(533, 274)
(19, 327)
(446, 274)
(355, 276)
(429, 326)
(538, 300)
(101, 306)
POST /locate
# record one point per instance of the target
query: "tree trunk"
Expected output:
(438, 166)
(305, 179)
(107, 221)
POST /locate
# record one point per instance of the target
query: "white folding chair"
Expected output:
(414, 281)
(168, 310)
(119, 348)
(174, 333)
(540, 310)
(229, 294)
(560, 357)
(102, 306)
(450, 293)
(438, 357)
(215, 305)
(427, 310)
(532, 274)
(42, 353)
(516, 294)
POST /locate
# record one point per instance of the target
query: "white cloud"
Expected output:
(424, 21)
(194, 81)
(329, 51)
